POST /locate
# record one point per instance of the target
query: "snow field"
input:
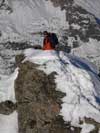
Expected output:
(76, 79)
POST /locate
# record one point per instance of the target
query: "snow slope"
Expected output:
(30, 16)
(92, 6)
(9, 123)
(75, 77)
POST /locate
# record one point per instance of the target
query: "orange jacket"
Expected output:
(47, 45)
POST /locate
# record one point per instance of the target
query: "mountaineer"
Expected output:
(50, 41)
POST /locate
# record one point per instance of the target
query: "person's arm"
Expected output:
(36, 33)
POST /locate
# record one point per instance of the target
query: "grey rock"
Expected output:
(7, 107)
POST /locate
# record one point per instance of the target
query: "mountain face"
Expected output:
(81, 21)
(83, 33)
(40, 111)
(58, 93)
(21, 25)
(90, 6)
(73, 22)
(19, 21)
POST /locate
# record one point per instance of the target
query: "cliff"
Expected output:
(39, 103)
(54, 94)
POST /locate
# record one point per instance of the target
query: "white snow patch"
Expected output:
(9, 123)
(38, 56)
(7, 91)
(58, 17)
(87, 128)
(76, 26)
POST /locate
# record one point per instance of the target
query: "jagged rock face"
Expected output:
(38, 102)
(4, 6)
(8, 51)
(82, 18)
(76, 15)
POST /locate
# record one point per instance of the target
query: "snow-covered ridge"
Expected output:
(75, 77)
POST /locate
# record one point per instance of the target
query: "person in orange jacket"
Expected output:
(50, 41)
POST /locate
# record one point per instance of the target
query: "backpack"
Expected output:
(53, 39)
(97, 20)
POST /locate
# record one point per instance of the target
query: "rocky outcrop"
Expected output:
(38, 102)
(76, 15)
(5, 6)
(7, 107)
